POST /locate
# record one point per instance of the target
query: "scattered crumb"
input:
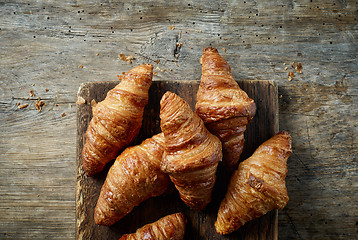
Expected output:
(56, 105)
(93, 103)
(47, 90)
(22, 106)
(32, 94)
(98, 54)
(291, 75)
(39, 104)
(63, 115)
(224, 50)
(280, 96)
(80, 100)
(177, 64)
(284, 64)
(18, 104)
(286, 68)
(157, 61)
(179, 34)
(163, 70)
(171, 27)
(33, 84)
(119, 77)
(80, 66)
(179, 45)
(70, 105)
(155, 73)
(5, 107)
(201, 60)
(299, 67)
(293, 64)
(27, 98)
(128, 58)
(224, 39)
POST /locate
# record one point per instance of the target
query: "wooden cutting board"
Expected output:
(200, 224)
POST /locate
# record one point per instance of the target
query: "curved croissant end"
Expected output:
(171, 227)
(117, 119)
(134, 177)
(191, 152)
(225, 108)
(258, 186)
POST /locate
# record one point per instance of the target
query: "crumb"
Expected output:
(18, 104)
(284, 64)
(70, 105)
(290, 79)
(32, 94)
(119, 77)
(177, 64)
(224, 50)
(98, 54)
(80, 100)
(163, 70)
(224, 39)
(201, 60)
(47, 90)
(299, 67)
(155, 73)
(128, 58)
(39, 104)
(22, 106)
(27, 98)
(5, 107)
(179, 34)
(93, 103)
(280, 96)
(56, 105)
(286, 68)
(291, 74)
(171, 27)
(33, 84)
(63, 115)
(293, 64)
(157, 61)
(80, 66)
(179, 45)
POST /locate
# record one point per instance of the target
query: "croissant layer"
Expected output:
(171, 227)
(225, 108)
(117, 119)
(191, 152)
(134, 177)
(257, 186)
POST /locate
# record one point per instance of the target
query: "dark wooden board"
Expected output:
(200, 224)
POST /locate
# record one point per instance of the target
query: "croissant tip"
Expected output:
(284, 133)
(209, 49)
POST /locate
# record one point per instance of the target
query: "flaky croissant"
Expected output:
(171, 227)
(223, 105)
(117, 119)
(258, 186)
(134, 177)
(191, 154)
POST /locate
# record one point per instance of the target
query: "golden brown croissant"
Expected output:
(258, 186)
(223, 105)
(117, 119)
(134, 177)
(171, 227)
(191, 154)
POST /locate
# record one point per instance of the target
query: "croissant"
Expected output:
(191, 154)
(134, 177)
(258, 186)
(117, 119)
(171, 227)
(223, 105)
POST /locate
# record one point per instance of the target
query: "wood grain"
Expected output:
(44, 43)
(200, 224)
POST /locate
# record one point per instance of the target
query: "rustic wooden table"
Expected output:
(48, 48)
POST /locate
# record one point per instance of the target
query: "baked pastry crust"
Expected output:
(258, 186)
(134, 177)
(191, 154)
(117, 119)
(171, 227)
(225, 108)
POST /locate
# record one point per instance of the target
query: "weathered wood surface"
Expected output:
(200, 223)
(45, 42)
